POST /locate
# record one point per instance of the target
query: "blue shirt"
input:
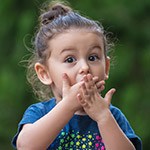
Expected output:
(81, 132)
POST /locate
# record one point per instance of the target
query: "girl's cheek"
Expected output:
(72, 80)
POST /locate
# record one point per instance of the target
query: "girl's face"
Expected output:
(76, 53)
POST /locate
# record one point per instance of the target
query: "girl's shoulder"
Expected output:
(114, 109)
(119, 115)
(37, 110)
(45, 106)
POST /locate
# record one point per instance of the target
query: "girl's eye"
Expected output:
(93, 58)
(70, 60)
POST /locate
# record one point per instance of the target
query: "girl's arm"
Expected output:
(113, 136)
(42, 133)
(98, 109)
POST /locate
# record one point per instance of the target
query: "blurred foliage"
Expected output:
(129, 21)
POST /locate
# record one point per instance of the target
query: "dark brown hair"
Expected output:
(57, 18)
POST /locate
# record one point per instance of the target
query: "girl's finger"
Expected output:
(81, 100)
(109, 95)
(66, 82)
(91, 83)
(95, 79)
(100, 85)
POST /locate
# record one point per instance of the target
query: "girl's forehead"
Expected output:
(75, 39)
(74, 32)
(73, 35)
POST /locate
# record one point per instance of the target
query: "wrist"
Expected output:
(68, 105)
(104, 117)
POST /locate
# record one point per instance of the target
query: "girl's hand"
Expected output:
(93, 103)
(69, 93)
(99, 84)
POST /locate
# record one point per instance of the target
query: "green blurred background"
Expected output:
(129, 21)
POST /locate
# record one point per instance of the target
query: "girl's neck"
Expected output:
(80, 112)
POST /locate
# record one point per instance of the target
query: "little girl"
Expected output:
(71, 59)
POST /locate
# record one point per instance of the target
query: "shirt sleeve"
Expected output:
(31, 115)
(126, 127)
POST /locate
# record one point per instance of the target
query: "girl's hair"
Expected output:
(57, 19)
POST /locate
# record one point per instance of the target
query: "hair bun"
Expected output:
(54, 12)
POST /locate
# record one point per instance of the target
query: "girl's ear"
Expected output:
(43, 74)
(107, 67)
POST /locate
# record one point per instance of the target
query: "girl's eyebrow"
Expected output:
(73, 49)
(67, 50)
(96, 47)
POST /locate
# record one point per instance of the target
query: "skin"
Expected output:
(75, 70)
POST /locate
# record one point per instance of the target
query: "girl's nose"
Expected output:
(84, 68)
